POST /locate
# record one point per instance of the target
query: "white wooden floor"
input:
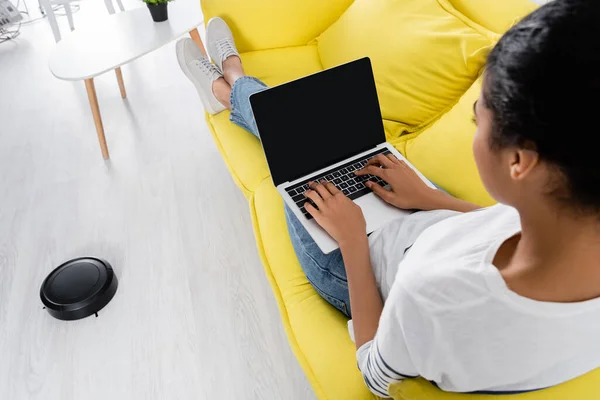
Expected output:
(194, 317)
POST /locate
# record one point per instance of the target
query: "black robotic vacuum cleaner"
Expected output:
(79, 288)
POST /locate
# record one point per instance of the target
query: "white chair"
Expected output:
(48, 6)
(110, 8)
(49, 10)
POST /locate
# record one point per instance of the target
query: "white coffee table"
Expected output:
(114, 40)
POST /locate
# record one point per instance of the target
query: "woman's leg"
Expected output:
(234, 91)
(326, 272)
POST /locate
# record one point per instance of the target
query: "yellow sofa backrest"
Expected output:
(496, 15)
(268, 24)
(424, 56)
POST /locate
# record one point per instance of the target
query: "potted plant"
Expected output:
(158, 9)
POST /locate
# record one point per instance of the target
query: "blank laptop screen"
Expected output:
(316, 121)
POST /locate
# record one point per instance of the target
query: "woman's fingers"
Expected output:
(393, 159)
(371, 170)
(315, 197)
(379, 191)
(331, 188)
(319, 188)
(311, 210)
(382, 160)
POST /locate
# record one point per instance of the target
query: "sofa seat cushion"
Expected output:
(242, 151)
(424, 56)
(581, 388)
(317, 332)
(443, 151)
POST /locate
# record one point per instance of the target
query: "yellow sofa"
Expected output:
(427, 57)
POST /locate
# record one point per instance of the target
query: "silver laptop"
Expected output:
(325, 126)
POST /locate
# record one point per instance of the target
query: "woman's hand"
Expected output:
(407, 190)
(337, 214)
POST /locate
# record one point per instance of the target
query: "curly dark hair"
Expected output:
(543, 88)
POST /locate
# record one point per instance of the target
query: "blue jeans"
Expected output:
(326, 272)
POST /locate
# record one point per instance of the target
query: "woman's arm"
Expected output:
(407, 189)
(382, 351)
(440, 200)
(365, 300)
(344, 221)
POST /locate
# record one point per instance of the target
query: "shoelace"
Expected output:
(226, 48)
(207, 68)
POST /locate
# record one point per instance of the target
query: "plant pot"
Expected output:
(159, 12)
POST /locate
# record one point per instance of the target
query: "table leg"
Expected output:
(196, 38)
(91, 91)
(121, 83)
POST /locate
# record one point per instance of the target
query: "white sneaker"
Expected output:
(219, 42)
(197, 67)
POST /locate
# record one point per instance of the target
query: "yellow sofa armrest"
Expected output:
(268, 24)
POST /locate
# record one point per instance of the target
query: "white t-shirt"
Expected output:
(450, 318)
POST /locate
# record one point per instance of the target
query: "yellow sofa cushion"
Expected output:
(316, 331)
(582, 388)
(443, 152)
(242, 152)
(496, 15)
(278, 66)
(423, 56)
(267, 24)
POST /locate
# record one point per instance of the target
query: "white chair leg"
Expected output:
(109, 6)
(120, 5)
(26, 9)
(51, 19)
(69, 13)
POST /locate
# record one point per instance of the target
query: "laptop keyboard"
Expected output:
(343, 178)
